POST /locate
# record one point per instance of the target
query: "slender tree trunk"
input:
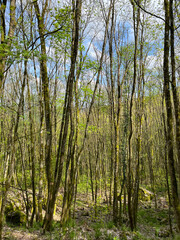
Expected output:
(46, 100)
(150, 162)
(136, 20)
(139, 113)
(66, 116)
(166, 165)
(175, 197)
(173, 83)
(32, 153)
(91, 175)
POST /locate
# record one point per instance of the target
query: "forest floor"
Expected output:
(152, 224)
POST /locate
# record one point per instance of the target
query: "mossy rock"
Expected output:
(145, 195)
(9, 208)
(16, 218)
(14, 215)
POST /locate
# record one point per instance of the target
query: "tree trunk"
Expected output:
(136, 20)
(32, 153)
(173, 84)
(175, 197)
(66, 116)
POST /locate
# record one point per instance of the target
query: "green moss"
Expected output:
(145, 195)
(14, 215)
(9, 208)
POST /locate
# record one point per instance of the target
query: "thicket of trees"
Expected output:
(89, 92)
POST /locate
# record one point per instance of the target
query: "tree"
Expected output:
(136, 20)
(174, 185)
(6, 40)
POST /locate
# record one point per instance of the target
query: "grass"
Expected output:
(152, 217)
(110, 224)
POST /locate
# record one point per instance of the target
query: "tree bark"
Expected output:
(175, 197)
(136, 20)
(173, 83)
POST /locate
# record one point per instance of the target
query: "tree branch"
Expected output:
(152, 14)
